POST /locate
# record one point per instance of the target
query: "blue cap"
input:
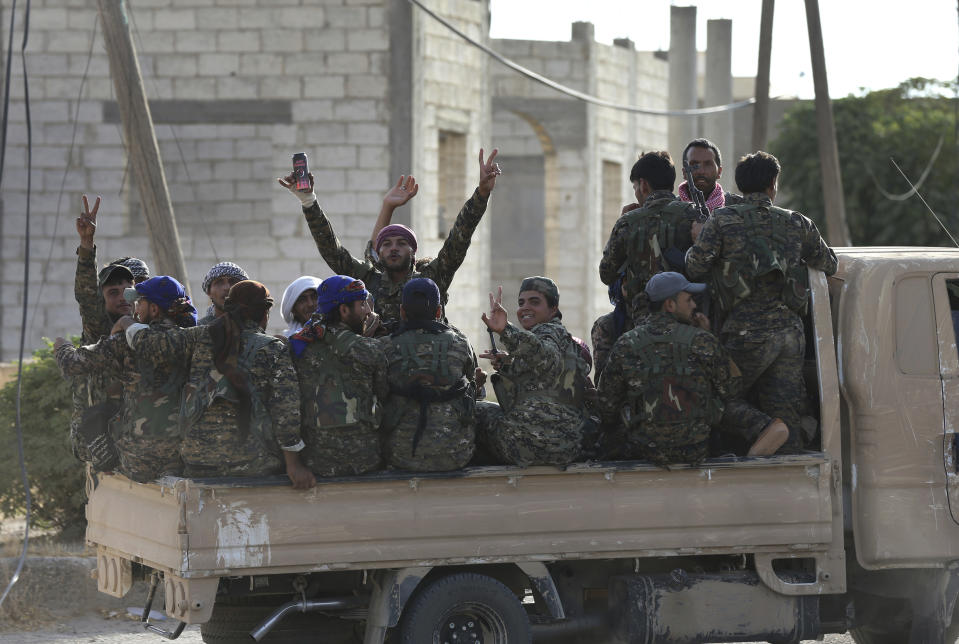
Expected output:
(339, 289)
(422, 286)
(164, 291)
(665, 285)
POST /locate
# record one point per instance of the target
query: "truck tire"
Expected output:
(476, 607)
(890, 621)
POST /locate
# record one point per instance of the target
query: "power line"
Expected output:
(569, 91)
(26, 266)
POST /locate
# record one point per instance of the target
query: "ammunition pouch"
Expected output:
(94, 433)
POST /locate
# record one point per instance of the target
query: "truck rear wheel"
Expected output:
(465, 607)
(889, 621)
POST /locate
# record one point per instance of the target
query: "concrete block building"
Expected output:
(370, 90)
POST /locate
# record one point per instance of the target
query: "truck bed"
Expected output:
(218, 527)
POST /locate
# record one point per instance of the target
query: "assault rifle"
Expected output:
(695, 193)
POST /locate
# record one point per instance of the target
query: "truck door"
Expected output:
(946, 293)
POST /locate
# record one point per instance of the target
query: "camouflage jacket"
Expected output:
(545, 367)
(669, 221)
(213, 444)
(723, 253)
(147, 434)
(429, 418)
(604, 335)
(386, 294)
(666, 393)
(343, 386)
(94, 386)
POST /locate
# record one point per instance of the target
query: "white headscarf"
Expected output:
(290, 295)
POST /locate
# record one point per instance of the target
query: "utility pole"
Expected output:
(141, 141)
(761, 108)
(837, 232)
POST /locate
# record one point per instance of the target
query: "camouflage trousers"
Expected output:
(346, 450)
(446, 443)
(739, 428)
(144, 459)
(536, 431)
(216, 448)
(771, 365)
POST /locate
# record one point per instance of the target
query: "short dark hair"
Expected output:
(333, 316)
(757, 172)
(656, 307)
(704, 143)
(418, 309)
(657, 168)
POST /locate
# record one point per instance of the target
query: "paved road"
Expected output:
(97, 630)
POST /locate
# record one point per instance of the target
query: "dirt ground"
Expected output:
(100, 630)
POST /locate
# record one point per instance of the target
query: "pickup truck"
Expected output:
(860, 535)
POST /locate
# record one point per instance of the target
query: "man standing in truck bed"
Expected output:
(757, 255)
(396, 245)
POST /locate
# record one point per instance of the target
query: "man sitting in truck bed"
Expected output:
(668, 382)
(342, 380)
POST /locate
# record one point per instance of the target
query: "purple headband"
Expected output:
(396, 230)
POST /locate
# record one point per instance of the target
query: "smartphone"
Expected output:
(301, 171)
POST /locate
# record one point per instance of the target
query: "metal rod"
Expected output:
(299, 605)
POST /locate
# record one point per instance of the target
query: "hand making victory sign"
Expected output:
(87, 223)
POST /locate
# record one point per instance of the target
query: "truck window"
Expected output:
(952, 290)
(917, 353)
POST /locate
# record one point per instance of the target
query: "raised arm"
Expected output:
(93, 313)
(404, 190)
(334, 254)
(442, 269)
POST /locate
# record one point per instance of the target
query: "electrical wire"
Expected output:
(569, 91)
(26, 269)
(915, 188)
(66, 170)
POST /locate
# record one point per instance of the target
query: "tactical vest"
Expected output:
(670, 394)
(198, 396)
(156, 410)
(428, 379)
(334, 402)
(648, 237)
(764, 256)
(567, 388)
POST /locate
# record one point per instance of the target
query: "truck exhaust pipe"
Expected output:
(303, 606)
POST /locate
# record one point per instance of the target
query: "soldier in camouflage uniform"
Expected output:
(101, 302)
(757, 255)
(668, 383)
(217, 284)
(342, 380)
(429, 421)
(147, 436)
(539, 382)
(652, 238)
(240, 411)
(396, 245)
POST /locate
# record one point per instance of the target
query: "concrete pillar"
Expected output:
(719, 128)
(682, 77)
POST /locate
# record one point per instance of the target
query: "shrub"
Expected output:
(57, 479)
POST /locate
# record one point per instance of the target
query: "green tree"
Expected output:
(57, 479)
(905, 123)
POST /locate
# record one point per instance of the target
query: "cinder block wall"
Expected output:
(236, 88)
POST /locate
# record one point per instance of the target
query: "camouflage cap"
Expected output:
(543, 285)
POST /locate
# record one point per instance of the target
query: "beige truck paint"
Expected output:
(898, 364)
